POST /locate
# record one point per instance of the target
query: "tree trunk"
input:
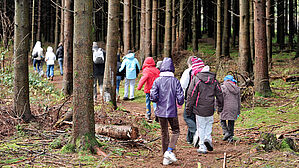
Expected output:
(138, 23)
(56, 26)
(226, 28)
(291, 23)
(32, 25)
(133, 27)
(111, 48)
(124, 132)
(83, 135)
(5, 35)
(194, 31)
(142, 31)
(62, 22)
(68, 49)
(21, 103)
(245, 64)
(210, 9)
(280, 23)
(198, 20)
(52, 25)
(268, 32)
(251, 30)
(173, 35)
(236, 20)
(148, 28)
(297, 50)
(154, 28)
(261, 77)
(38, 36)
(127, 25)
(167, 40)
(218, 41)
(181, 24)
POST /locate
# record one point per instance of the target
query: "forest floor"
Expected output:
(39, 143)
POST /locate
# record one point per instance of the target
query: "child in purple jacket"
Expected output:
(167, 93)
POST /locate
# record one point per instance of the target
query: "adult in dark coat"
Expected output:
(59, 57)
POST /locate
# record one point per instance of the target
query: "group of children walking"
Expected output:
(202, 93)
(50, 57)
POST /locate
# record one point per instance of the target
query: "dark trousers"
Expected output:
(228, 128)
(191, 123)
(174, 124)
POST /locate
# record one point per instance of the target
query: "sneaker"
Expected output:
(125, 98)
(201, 151)
(209, 145)
(170, 156)
(166, 161)
(148, 117)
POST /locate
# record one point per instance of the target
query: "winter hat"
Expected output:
(95, 45)
(189, 61)
(229, 77)
(159, 64)
(197, 63)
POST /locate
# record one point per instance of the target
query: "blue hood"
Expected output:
(130, 56)
(167, 65)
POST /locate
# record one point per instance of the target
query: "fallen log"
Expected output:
(124, 132)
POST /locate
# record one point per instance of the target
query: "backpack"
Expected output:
(35, 55)
(98, 56)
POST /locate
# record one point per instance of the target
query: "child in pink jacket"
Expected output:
(149, 74)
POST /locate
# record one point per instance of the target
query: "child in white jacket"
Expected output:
(50, 59)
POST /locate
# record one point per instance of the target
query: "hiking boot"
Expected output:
(209, 145)
(226, 136)
(148, 117)
(230, 139)
(166, 161)
(132, 99)
(170, 156)
(125, 98)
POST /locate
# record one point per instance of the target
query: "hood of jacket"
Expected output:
(49, 49)
(206, 77)
(130, 56)
(167, 65)
(148, 62)
(234, 89)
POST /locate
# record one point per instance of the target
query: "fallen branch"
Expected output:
(117, 131)
(224, 160)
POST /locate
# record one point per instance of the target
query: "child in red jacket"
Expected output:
(149, 74)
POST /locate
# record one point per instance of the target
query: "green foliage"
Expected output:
(68, 148)
(56, 144)
(285, 146)
(119, 151)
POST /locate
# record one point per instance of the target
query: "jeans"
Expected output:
(191, 123)
(50, 71)
(204, 128)
(148, 104)
(97, 80)
(175, 128)
(130, 82)
(118, 79)
(36, 65)
(60, 61)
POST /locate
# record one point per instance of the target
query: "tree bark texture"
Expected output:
(38, 35)
(127, 25)
(154, 28)
(251, 29)
(181, 24)
(68, 49)
(32, 25)
(142, 31)
(280, 24)
(268, 32)
(236, 20)
(167, 40)
(291, 23)
(21, 104)
(173, 26)
(62, 22)
(111, 48)
(56, 26)
(194, 31)
(124, 132)
(218, 41)
(261, 76)
(148, 29)
(244, 43)
(226, 28)
(83, 115)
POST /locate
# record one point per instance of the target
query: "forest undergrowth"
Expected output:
(39, 143)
